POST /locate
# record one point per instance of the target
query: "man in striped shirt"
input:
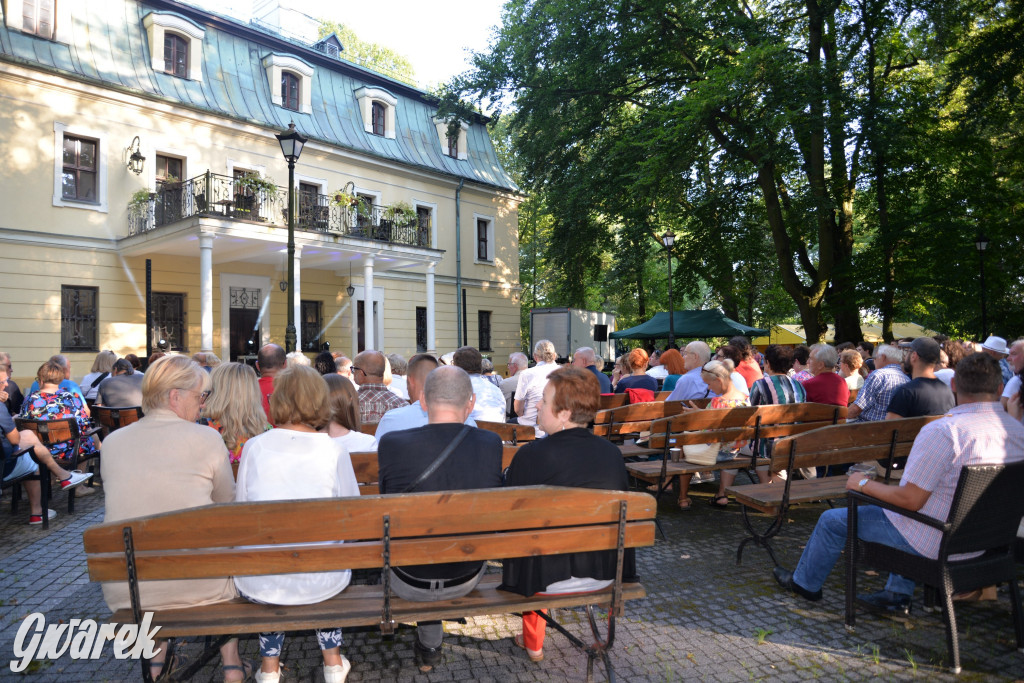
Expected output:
(976, 432)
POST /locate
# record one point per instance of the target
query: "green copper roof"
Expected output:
(109, 45)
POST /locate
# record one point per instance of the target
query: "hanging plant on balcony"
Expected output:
(139, 199)
(253, 183)
(342, 198)
(399, 213)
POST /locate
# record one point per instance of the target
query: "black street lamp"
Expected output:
(668, 239)
(291, 146)
(981, 243)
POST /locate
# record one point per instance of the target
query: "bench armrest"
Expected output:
(855, 498)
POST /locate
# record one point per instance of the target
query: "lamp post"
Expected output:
(291, 146)
(981, 243)
(668, 239)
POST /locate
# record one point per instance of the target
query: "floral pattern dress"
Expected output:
(234, 454)
(56, 406)
(719, 402)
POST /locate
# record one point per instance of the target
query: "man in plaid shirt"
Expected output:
(976, 432)
(375, 398)
(873, 399)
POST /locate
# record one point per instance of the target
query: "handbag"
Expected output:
(701, 453)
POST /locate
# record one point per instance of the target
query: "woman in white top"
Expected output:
(850, 364)
(296, 461)
(344, 425)
(101, 368)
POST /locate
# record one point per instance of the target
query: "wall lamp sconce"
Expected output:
(283, 284)
(350, 290)
(134, 157)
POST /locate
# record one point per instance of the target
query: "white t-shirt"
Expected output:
(357, 442)
(531, 388)
(490, 402)
(1012, 387)
(658, 372)
(946, 375)
(283, 464)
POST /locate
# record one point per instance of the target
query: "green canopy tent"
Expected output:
(695, 324)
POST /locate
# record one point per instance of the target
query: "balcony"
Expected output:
(220, 196)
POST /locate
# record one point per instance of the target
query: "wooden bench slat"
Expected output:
(414, 514)
(358, 606)
(651, 470)
(509, 432)
(212, 563)
(367, 469)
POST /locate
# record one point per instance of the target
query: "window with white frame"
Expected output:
(175, 45)
(377, 107)
(455, 145)
(484, 235)
(290, 80)
(49, 19)
(79, 168)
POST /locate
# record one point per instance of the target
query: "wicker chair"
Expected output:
(987, 507)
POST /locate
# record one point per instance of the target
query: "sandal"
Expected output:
(158, 669)
(534, 655)
(247, 669)
(685, 505)
(715, 504)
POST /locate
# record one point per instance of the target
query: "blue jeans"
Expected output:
(829, 539)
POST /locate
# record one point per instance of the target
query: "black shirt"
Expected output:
(922, 396)
(474, 464)
(573, 457)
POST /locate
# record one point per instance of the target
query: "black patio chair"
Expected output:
(64, 430)
(986, 510)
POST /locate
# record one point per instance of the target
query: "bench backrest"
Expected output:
(254, 539)
(367, 471)
(725, 425)
(849, 443)
(115, 418)
(615, 423)
(368, 428)
(612, 401)
(51, 431)
(511, 433)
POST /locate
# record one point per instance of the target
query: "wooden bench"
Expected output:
(845, 444)
(725, 426)
(254, 539)
(612, 401)
(509, 433)
(364, 463)
(629, 422)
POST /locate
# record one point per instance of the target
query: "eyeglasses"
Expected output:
(353, 368)
(203, 395)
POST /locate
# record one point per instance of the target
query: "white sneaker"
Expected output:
(38, 519)
(77, 477)
(275, 677)
(337, 673)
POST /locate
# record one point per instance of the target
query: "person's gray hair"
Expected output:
(486, 366)
(168, 373)
(587, 353)
(399, 366)
(702, 350)
(719, 368)
(729, 364)
(518, 359)
(544, 351)
(893, 353)
(825, 354)
(447, 385)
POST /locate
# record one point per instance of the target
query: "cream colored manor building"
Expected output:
(133, 133)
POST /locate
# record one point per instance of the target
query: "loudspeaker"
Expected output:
(600, 333)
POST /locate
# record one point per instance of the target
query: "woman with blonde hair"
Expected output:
(344, 425)
(294, 461)
(850, 367)
(101, 368)
(234, 407)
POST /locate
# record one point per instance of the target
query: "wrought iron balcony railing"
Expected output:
(223, 196)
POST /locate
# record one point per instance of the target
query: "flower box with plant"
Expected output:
(342, 198)
(399, 213)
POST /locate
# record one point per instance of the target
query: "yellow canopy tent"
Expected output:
(794, 334)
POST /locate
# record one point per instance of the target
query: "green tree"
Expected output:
(370, 55)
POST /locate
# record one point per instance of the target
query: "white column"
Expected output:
(431, 334)
(368, 302)
(206, 291)
(297, 299)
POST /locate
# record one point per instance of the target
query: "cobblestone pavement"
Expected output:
(705, 618)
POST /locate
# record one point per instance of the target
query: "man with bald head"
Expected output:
(691, 385)
(586, 359)
(375, 398)
(474, 463)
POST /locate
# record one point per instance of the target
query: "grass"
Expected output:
(762, 634)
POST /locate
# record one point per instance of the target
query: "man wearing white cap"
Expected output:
(996, 347)
(1016, 360)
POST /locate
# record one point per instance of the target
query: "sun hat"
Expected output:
(997, 344)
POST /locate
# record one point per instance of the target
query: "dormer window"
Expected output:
(290, 80)
(37, 17)
(175, 55)
(175, 45)
(452, 145)
(377, 107)
(49, 19)
(289, 91)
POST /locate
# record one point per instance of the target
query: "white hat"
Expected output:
(997, 344)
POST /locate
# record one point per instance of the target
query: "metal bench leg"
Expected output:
(762, 540)
(600, 646)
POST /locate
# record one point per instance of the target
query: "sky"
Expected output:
(434, 35)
